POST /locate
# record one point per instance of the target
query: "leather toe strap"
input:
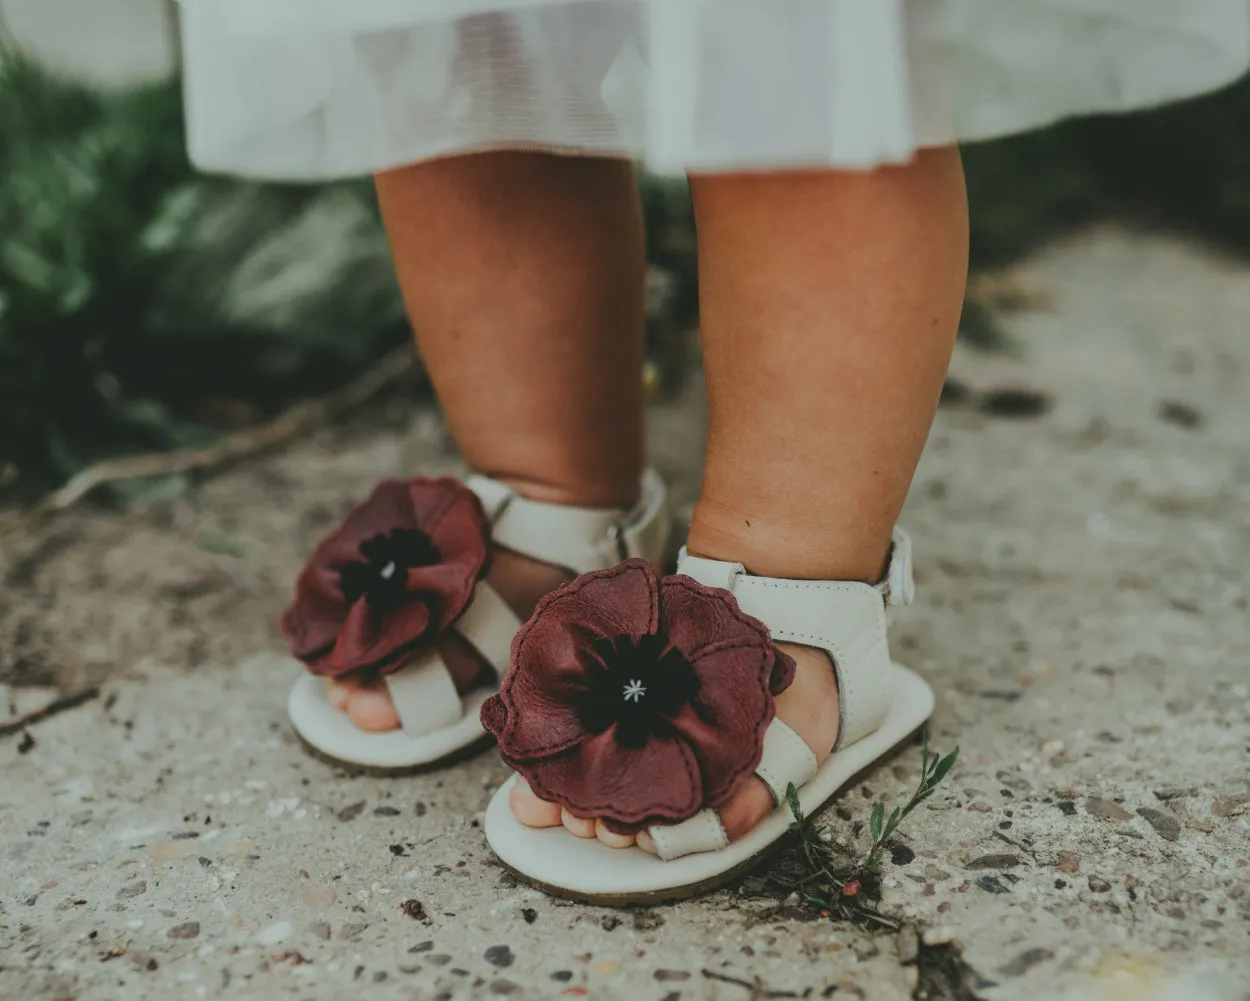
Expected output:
(424, 695)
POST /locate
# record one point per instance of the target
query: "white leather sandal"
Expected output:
(882, 704)
(421, 517)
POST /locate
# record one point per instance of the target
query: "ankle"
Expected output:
(797, 549)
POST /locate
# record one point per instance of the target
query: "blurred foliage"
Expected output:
(143, 306)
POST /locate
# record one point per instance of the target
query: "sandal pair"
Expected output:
(638, 700)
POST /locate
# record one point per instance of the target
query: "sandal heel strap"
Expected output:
(846, 619)
(579, 538)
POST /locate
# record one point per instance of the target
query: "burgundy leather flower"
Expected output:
(399, 571)
(637, 700)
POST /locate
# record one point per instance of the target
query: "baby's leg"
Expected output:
(830, 303)
(523, 275)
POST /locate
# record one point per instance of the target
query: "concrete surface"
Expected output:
(1082, 615)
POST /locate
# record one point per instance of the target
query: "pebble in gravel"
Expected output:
(320, 929)
(1169, 827)
(668, 975)
(1069, 862)
(1098, 885)
(351, 812)
(1106, 809)
(188, 929)
(994, 862)
(1231, 806)
(1025, 962)
(500, 955)
(275, 933)
(132, 890)
(563, 976)
(991, 884)
(902, 855)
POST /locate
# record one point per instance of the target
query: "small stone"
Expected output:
(426, 946)
(1067, 807)
(1025, 962)
(351, 930)
(1165, 795)
(275, 933)
(500, 955)
(647, 921)
(386, 811)
(1205, 826)
(609, 922)
(1106, 809)
(188, 929)
(1128, 832)
(132, 890)
(529, 915)
(1069, 862)
(320, 929)
(991, 884)
(1181, 414)
(503, 987)
(351, 812)
(1169, 827)
(414, 909)
(994, 862)
(438, 959)
(563, 976)
(935, 874)
(1231, 806)
(902, 855)
(173, 851)
(907, 942)
(1097, 885)
(666, 976)
(319, 897)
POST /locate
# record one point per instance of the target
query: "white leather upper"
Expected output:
(846, 619)
(701, 833)
(580, 539)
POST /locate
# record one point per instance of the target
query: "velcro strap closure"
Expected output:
(701, 833)
(787, 759)
(424, 695)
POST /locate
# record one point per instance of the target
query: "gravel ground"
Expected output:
(1082, 518)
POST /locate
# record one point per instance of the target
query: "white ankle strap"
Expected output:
(846, 619)
(579, 538)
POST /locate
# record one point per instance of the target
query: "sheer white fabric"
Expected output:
(309, 89)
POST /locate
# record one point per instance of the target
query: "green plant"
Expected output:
(846, 889)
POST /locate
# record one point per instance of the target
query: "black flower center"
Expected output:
(382, 576)
(642, 682)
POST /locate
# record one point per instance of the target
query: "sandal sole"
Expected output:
(327, 734)
(588, 871)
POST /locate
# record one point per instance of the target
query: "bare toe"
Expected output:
(338, 694)
(577, 826)
(612, 840)
(371, 709)
(645, 842)
(529, 809)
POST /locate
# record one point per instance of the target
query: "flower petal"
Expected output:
(724, 725)
(553, 654)
(628, 786)
(696, 616)
(311, 623)
(366, 642)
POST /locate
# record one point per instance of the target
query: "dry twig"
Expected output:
(58, 705)
(298, 419)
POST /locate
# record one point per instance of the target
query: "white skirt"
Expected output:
(314, 89)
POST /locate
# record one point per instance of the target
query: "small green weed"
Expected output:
(846, 891)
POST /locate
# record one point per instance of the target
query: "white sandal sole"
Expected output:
(330, 734)
(586, 870)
